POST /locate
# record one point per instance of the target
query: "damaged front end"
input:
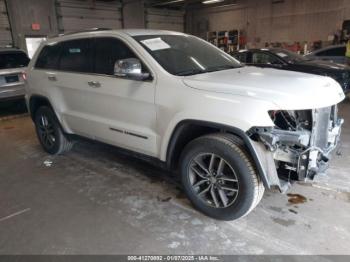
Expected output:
(299, 145)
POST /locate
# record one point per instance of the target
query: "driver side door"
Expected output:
(121, 111)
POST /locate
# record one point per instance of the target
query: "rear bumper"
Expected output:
(12, 92)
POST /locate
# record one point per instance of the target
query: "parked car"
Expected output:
(286, 60)
(12, 65)
(230, 131)
(335, 53)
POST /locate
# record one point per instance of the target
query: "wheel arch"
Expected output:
(187, 130)
(36, 101)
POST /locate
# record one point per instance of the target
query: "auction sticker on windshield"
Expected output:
(155, 44)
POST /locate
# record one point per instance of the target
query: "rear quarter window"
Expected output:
(339, 51)
(242, 57)
(49, 57)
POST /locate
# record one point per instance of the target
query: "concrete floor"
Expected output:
(97, 200)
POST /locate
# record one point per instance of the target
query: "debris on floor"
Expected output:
(48, 163)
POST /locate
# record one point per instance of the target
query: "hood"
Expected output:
(327, 65)
(286, 89)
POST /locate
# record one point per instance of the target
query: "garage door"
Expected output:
(75, 15)
(5, 29)
(165, 19)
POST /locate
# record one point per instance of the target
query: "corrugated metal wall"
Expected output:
(165, 19)
(5, 30)
(74, 15)
(288, 21)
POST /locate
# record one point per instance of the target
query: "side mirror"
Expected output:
(130, 68)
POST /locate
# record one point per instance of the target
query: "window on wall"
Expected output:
(76, 56)
(107, 52)
(32, 44)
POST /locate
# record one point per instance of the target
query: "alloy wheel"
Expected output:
(46, 131)
(213, 180)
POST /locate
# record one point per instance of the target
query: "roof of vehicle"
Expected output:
(130, 32)
(275, 49)
(326, 48)
(10, 49)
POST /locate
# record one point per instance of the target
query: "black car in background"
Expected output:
(287, 60)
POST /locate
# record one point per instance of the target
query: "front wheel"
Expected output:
(219, 177)
(50, 133)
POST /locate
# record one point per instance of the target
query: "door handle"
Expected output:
(94, 84)
(52, 78)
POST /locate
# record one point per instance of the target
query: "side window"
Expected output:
(48, 57)
(339, 51)
(76, 56)
(242, 57)
(264, 58)
(107, 52)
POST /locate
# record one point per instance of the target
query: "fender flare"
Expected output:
(180, 127)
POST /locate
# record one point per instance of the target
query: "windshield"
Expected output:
(186, 55)
(13, 60)
(288, 55)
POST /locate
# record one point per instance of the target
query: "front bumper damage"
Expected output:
(297, 153)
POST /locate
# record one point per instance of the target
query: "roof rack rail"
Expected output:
(96, 29)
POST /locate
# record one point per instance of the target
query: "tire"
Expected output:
(49, 132)
(232, 176)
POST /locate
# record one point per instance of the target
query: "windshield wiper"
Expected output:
(201, 71)
(191, 72)
(219, 68)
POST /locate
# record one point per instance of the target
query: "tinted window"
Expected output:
(13, 60)
(339, 51)
(76, 56)
(242, 57)
(264, 58)
(48, 57)
(107, 52)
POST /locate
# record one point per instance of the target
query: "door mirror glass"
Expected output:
(130, 68)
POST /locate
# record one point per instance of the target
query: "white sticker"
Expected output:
(155, 44)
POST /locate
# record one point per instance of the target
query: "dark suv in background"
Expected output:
(286, 60)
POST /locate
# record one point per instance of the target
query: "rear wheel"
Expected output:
(50, 133)
(219, 177)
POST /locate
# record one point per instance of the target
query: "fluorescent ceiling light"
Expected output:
(212, 1)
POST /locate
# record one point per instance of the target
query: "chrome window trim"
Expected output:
(96, 74)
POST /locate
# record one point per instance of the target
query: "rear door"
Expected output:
(62, 73)
(71, 83)
(121, 111)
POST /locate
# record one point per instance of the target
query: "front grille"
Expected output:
(321, 119)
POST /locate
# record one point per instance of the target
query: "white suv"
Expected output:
(230, 131)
